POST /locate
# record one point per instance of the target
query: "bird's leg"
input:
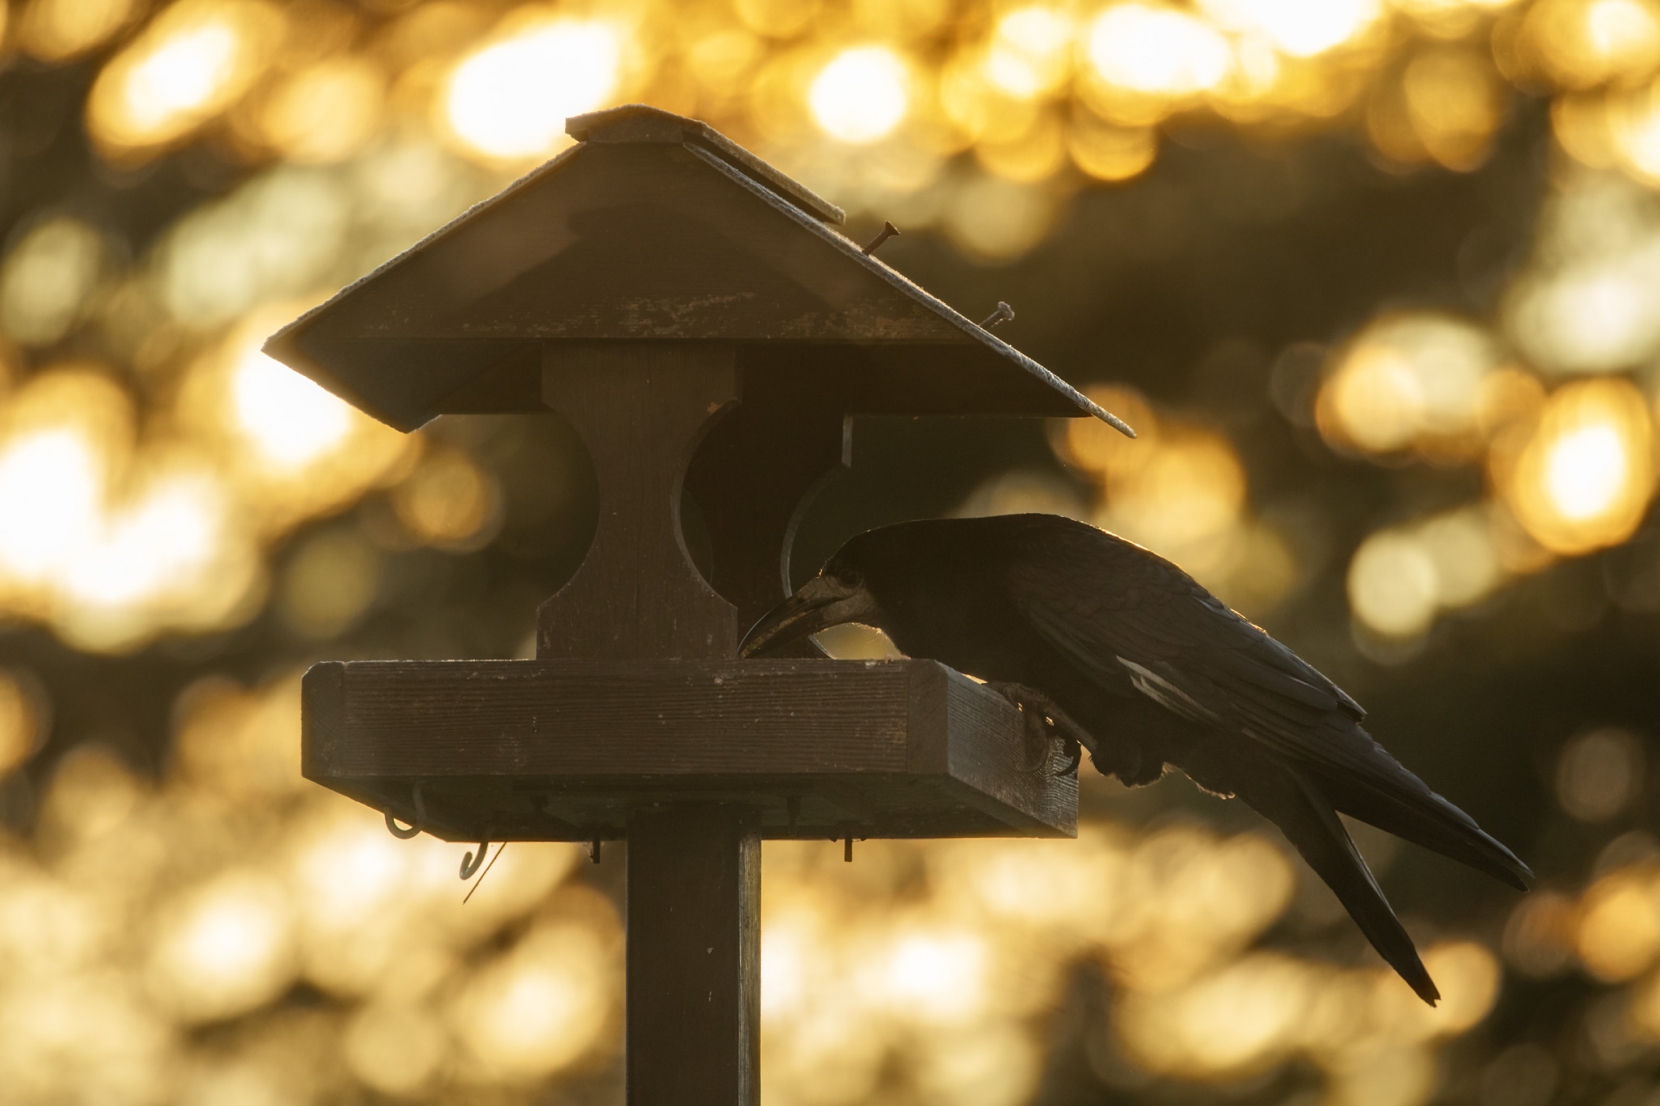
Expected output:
(1045, 719)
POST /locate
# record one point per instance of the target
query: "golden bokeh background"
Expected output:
(1437, 486)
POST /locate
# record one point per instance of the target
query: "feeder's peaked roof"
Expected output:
(653, 227)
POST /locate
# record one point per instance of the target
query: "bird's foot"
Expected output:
(1045, 723)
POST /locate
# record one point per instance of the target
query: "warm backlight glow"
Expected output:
(1191, 488)
(1030, 51)
(155, 549)
(187, 66)
(117, 547)
(227, 950)
(1454, 104)
(54, 478)
(1600, 773)
(1157, 50)
(1111, 153)
(1580, 43)
(1618, 934)
(290, 420)
(939, 974)
(1301, 28)
(1400, 578)
(537, 1009)
(1392, 585)
(861, 96)
(53, 30)
(1585, 470)
(1584, 479)
(1409, 381)
(325, 112)
(19, 723)
(47, 279)
(510, 99)
(1241, 1018)
(448, 501)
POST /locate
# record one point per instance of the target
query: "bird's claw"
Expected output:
(1045, 723)
(1074, 758)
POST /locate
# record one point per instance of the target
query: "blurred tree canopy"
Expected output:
(1374, 279)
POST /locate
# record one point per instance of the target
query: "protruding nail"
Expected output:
(1002, 315)
(887, 232)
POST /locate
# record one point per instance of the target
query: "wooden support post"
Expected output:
(694, 871)
(694, 956)
(641, 408)
(667, 276)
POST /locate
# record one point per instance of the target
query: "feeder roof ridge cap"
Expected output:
(642, 123)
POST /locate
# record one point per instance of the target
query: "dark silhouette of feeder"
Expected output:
(697, 318)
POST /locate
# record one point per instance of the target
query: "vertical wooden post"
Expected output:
(694, 950)
(641, 408)
(694, 871)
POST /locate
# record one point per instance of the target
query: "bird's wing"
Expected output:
(1122, 614)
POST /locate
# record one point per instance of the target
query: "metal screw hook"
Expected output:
(888, 231)
(593, 850)
(420, 819)
(470, 863)
(1002, 315)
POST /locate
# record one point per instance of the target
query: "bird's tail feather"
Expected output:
(1430, 821)
(1377, 789)
(1290, 799)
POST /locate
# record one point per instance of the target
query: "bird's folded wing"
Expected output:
(1109, 604)
(1130, 617)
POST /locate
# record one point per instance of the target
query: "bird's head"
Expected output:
(838, 594)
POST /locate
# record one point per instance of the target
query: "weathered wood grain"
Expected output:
(694, 954)
(641, 409)
(565, 750)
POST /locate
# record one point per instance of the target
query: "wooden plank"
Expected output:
(694, 952)
(566, 749)
(641, 409)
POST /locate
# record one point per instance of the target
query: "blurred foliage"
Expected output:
(1374, 279)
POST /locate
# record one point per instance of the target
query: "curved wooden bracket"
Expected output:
(754, 477)
(641, 409)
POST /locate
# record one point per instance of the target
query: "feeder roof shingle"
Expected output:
(657, 228)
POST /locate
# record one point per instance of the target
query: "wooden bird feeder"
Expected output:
(697, 318)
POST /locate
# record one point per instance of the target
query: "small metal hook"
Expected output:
(420, 819)
(888, 231)
(593, 850)
(1002, 315)
(470, 863)
(487, 867)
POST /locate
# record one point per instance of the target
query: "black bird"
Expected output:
(1125, 651)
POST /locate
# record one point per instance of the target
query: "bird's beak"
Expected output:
(819, 603)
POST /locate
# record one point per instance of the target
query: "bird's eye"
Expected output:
(849, 577)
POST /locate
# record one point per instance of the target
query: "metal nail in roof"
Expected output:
(654, 227)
